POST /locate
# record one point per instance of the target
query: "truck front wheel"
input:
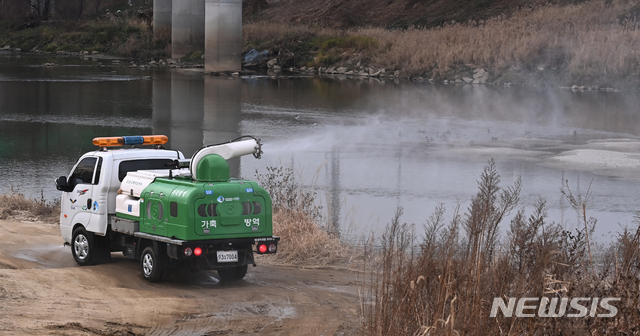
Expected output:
(82, 246)
(235, 273)
(150, 264)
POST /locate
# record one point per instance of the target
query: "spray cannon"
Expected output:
(209, 164)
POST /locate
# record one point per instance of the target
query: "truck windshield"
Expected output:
(83, 174)
(147, 164)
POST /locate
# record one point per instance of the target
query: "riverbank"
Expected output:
(589, 46)
(127, 35)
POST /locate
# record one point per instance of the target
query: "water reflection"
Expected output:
(223, 113)
(195, 111)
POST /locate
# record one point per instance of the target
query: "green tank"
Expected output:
(211, 207)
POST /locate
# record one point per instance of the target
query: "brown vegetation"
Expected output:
(297, 221)
(16, 205)
(387, 13)
(594, 42)
(444, 283)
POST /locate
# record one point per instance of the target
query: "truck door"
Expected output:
(79, 204)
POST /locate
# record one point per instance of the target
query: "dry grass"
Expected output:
(593, 40)
(444, 282)
(16, 205)
(588, 39)
(306, 242)
(297, 220)
(270, 31)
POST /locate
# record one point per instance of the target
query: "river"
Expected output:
(367, 146)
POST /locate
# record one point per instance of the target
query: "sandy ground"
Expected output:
(44, 292)
(610, 157)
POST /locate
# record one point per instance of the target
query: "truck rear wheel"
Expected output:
(150, 264)
(235, 273)
(82, 246)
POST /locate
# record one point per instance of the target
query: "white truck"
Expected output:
(154, 205)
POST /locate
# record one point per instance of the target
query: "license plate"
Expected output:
(227, 256)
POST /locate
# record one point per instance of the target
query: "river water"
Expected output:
(367, 146)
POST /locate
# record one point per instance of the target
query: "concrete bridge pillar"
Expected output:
(187, 33)
(223, 33)
(162, 18)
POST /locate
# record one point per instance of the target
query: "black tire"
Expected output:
(82, 246)
(151, 266)
(236, 273)
(102, 249)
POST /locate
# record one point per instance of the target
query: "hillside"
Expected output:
(564, 43)
(387, 13)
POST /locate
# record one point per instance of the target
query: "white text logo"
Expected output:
(545, 307)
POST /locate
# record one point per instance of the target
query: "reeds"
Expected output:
(589, 41)
(297, 220)
(17, 205)
(444, 282)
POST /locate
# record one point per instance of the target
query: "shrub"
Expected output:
(296, 220)
(194, 57)
(16, 204)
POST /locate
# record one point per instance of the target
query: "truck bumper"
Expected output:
(208, 259)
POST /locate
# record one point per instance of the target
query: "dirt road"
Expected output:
(44, 292)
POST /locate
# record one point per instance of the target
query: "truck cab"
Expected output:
(93, 184)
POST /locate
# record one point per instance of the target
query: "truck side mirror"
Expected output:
(61, 183)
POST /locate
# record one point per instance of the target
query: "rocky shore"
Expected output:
(472, 76)
(467, 76)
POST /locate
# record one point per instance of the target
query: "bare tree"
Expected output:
(41, 8)
(80, 8)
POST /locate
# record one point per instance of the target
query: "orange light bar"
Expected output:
(155, 139)
(131, 140)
